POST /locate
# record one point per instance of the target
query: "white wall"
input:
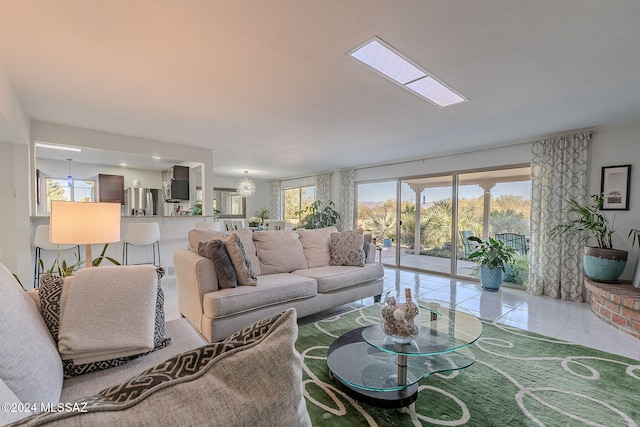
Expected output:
(503, 156)
(14, 123)
(611, 146)
(15, 243)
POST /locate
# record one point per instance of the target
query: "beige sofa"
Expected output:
(184, 383)
(293, 271)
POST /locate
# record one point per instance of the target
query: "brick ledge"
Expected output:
(617, 305)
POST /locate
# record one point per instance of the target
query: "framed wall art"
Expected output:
(615, 187)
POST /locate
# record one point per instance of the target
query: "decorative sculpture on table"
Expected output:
(400, 317)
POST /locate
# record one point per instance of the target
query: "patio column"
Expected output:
(418, 189)
(486, 186)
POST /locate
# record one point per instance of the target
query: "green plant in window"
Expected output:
(318, 215)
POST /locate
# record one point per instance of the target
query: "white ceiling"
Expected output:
(269, 87)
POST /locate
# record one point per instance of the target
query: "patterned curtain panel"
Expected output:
(347, 199)
(559, 170)
(275, 200)
(322, 182)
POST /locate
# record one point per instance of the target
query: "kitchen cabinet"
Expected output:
(111, 188)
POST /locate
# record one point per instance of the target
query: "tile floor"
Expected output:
(560, 319)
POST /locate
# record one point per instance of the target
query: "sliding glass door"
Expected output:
(424, 223)
(426, 218)
(377, 214)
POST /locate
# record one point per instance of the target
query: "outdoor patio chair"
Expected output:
(515, 241)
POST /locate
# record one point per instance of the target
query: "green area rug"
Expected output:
(519, 379)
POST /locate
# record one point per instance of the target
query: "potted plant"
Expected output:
(492, 255)
(255, 221)
(258, 219)
(262, 214)
(62, 269)
(602, 263)
(317, 216)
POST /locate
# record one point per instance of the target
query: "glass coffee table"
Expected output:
(373, 369)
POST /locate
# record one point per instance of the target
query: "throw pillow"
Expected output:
(315, 244)
(239, 259)
(346, 248)
(279, 251)
(216, 252)
(259, 360)
(195, 237)
(50, 292)
(29, 360)
(246, 237)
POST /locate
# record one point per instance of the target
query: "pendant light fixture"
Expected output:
(69, 177)
(246, 187)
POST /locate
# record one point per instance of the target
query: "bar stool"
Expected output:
(41, 242)
(142, 234)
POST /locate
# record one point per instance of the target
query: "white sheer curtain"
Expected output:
(322, 183)
(346, 203)
(275, 200)
(559, 170)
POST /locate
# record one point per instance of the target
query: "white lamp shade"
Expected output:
(84, 223)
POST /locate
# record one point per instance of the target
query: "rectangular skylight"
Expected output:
(384, 60)
(57, 147)
(392, 64)
(435, 91)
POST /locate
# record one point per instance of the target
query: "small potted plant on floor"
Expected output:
(492, 255)
(602, 263)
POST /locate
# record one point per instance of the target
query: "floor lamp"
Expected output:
(80, 223)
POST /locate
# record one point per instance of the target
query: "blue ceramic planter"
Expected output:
(604, 265)
(490, 278)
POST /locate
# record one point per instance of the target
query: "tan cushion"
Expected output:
(246, 237)
(29, 361)
(315, 244)
(331, 278)
(279, 251)
(272, 289)
(197, 236)
(240, 262)
(346, 248)
(217, 253)
(255, 382)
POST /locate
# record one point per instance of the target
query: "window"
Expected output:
(59, 189)
(417, 222)
(297, 199)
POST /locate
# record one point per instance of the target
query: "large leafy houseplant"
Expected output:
(602, 262)
(318, 216)
(492, 255)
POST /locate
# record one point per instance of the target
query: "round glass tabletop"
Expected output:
(443, 329)
(367, 359)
